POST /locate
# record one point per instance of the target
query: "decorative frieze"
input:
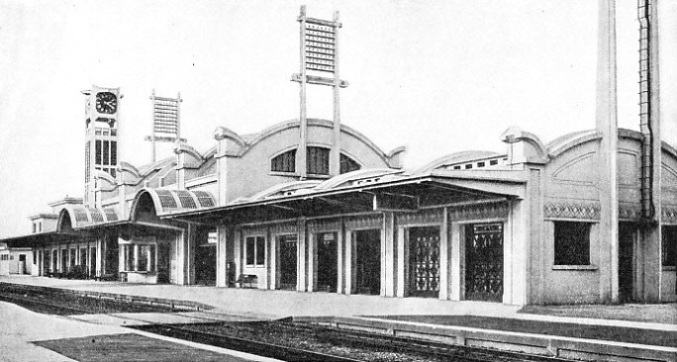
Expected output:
(572, 209)
(494, 210)
(364, 222)
(421, 217)
(629, 212)
(669, 214)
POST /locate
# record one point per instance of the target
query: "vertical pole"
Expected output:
(336, 145)
(444, 256)
(301, 152)
(301, 256)
(608, 175)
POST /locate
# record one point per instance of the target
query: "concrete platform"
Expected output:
(20, 328)
(361, 313)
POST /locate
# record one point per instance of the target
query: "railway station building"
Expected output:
(314, 206)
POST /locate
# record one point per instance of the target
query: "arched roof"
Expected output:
(246, 144)
(172, 201)
(79, 216)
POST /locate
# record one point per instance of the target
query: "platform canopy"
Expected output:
(43, 239)
(378, 192)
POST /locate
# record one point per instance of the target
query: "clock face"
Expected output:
(106, 102)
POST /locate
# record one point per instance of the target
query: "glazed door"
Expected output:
(424, 262)
(484, 262)
(288, 264)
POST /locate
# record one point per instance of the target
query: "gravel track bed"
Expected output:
(340, 343)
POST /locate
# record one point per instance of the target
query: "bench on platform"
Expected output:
(247, 279)
(105, 278)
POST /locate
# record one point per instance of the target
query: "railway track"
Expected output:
(353, 346)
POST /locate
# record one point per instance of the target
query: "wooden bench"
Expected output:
(105, 277)
(247, 279)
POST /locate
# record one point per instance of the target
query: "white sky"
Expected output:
(439, 76)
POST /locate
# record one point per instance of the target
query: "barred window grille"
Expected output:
(318, 161)
(285, 162)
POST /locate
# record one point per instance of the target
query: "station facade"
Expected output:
(314, 206)
(520, 227)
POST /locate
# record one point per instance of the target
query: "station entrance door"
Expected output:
(484, 262)
(288, 261)
(368, 262)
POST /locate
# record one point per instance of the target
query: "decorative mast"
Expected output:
(319, 53)
(166, 120)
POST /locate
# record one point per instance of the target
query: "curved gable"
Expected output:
(243, 146)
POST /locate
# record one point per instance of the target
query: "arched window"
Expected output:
(348, 164)
(284, 162)
(318, 161)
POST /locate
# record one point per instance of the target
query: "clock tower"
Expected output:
(101, 136)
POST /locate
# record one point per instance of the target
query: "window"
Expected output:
(113, 154)
(144, 257)
(572, 243)
(348, 164)
(129, 257)
(318, 161)
(106, 155)
(35, 228)
(98, 152)
(255, 250)
(669, 245)
(285, 162)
